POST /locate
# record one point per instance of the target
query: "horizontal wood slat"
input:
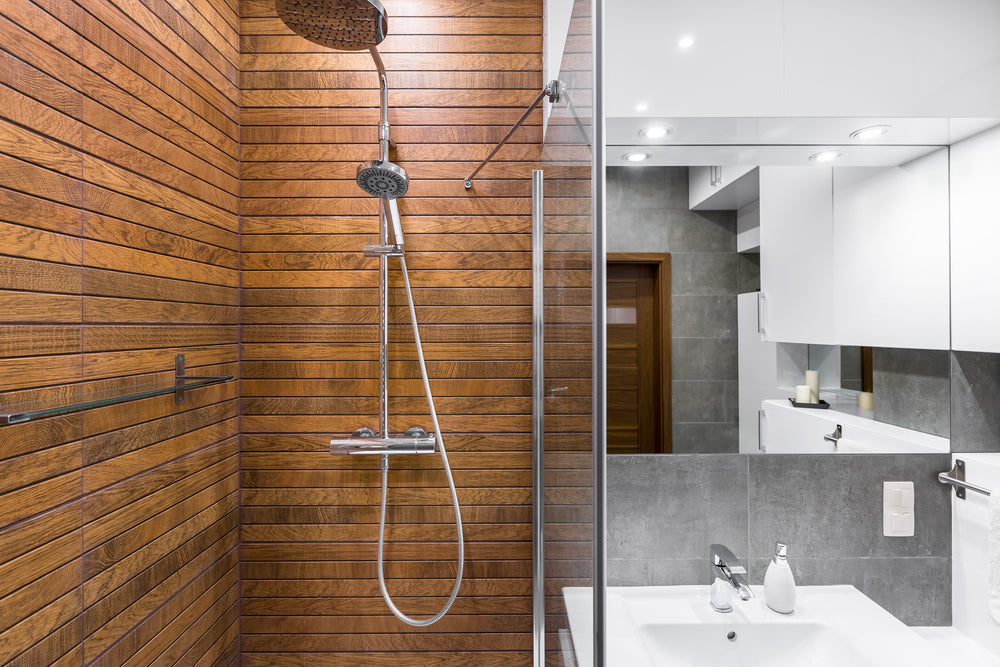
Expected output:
(310, 335)
(118, 203)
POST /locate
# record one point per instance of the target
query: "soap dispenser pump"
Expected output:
(779, 583)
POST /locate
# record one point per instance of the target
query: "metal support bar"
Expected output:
(551, 90)
(956, 477)
(538, 410)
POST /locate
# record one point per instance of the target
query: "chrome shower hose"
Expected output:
(447, 471)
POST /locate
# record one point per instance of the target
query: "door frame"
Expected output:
(661, 262)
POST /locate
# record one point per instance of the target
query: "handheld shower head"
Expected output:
(346, 25)
(382, 179)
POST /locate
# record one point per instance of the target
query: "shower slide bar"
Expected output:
(181, 384)
(956, 477)
(552, 90)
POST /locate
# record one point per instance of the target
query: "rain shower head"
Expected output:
(352, 25)
(382, 179)
(346, 25)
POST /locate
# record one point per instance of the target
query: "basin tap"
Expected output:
(726, 575)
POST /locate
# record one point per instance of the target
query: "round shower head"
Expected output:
(346, 25)
(382, 179)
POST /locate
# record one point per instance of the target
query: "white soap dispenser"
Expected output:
(779, 583)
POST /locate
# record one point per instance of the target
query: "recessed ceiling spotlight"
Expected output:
(825, 156)
(686, 42)
(636, 156)
(868, 133)
(655, 132)
(641, 106)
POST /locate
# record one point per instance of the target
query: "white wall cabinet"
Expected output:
(721, 188)
(796, 254)
(856, 255)
(975, 238)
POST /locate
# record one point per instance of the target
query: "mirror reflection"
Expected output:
(734, 268)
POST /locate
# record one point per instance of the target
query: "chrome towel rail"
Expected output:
(956, 477)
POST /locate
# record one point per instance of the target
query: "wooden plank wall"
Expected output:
(118, 211)
(568, 242)
(460, 72)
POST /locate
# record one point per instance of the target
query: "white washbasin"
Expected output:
(747, 645)
(674, 626)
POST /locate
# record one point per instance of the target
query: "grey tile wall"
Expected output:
(912, 389)
(663, 512)
(975, 402)
(648, 212)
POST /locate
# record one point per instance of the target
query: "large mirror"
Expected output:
(743, 252)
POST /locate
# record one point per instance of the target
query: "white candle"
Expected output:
(866, 401)
(812, 381)
(802, 393)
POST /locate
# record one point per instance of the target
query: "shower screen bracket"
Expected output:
(552, 90)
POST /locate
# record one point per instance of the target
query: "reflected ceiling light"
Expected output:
(868, 133)
(686, 42)
(636, 156)
(641, 106)
(655, 132)
(825, 156)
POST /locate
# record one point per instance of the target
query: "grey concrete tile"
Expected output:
(706, 438)
(703, 316)
(674, 507)
(710, 401)
(636, 230)
(831, 506)
(975, 408)
(917, 591)
(912, 389)
(748, 272)
(703, 273)
(647, 187)
(658, 572)
(704, 359)
(701, 231)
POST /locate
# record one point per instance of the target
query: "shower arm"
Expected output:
(551, 90)
(383, 128)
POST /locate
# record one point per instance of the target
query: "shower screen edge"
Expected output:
(538, 412)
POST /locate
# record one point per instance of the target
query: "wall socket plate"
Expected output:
(897, 509)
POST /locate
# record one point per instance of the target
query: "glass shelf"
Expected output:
(181, 384)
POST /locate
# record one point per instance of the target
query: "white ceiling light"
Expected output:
(655, 132)
(636, 156)
(825, 156)
(869, 133)
(641, 106)
(686, 42)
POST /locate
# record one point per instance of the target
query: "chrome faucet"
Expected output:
(726, 575)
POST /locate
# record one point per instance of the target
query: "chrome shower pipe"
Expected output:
(383, 126)
(383, 324)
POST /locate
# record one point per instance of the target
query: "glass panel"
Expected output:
(569, 470)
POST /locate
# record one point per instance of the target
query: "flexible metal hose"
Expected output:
(447, 470)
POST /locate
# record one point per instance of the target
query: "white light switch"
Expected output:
(897, 509)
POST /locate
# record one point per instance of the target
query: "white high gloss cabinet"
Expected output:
(796, 254)
(721, 188)
(975, 240)
(767, 58)
(857, 255)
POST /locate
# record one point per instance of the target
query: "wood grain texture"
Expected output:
(460, 73)
(119, 176)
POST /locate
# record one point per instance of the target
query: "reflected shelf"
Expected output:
(181, 384)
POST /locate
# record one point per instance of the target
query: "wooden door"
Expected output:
(638, 371)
